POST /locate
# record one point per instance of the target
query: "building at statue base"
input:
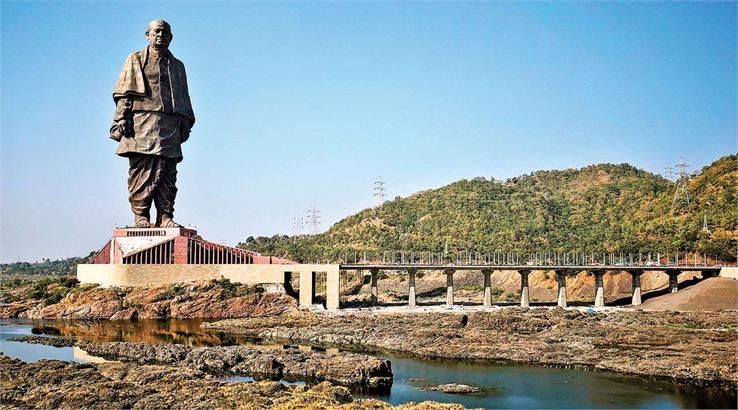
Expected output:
(156, 256)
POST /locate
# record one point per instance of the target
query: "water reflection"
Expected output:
(152, 331)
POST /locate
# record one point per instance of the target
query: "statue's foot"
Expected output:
(142, 222)
(168, 222)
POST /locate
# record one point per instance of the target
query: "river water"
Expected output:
(503, 386)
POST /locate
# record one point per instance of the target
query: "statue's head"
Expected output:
(159, 34)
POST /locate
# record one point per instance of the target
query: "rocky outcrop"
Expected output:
(691, 347)
(455, 388)
(348, 369)
(48, 341)
(65, 385)
(214, 299)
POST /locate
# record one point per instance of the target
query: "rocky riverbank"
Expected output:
(65, 385)
(213, 299)
(357, 371)
(692, 347)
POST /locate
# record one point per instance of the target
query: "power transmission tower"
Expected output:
(705, 229)
(313, 217)
(682, 189)
(379, 190)
(297, 224)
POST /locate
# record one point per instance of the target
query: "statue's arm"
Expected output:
(123, 119)
(187, 122)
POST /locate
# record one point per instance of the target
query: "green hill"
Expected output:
(599, 208)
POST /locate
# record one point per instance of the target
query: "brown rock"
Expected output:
(65, 385)
(125, 314)
(694, 347)
(201, 300)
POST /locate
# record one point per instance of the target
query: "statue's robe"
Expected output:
(152, 93)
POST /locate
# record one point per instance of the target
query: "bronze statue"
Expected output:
(153, 117)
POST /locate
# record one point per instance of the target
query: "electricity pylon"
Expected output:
(681, 193)
(313, 217)
(379, 190)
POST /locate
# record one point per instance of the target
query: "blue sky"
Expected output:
(302, 104)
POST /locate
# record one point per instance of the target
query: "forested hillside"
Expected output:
(25, 270)
(599, 208)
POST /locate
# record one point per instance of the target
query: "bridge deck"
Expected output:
(405, 266)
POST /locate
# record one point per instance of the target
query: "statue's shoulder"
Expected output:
(137, 56)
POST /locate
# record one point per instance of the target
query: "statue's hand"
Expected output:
(115, 134)
(126, 127)
(120, 129)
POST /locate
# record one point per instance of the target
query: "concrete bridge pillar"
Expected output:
(524, 302)
(561, 279)
(375, 293)
(411, 287)
(307, 288)
(487, 287)
(674, 281)
(636, 275)
(449, 287)
(332, 288)
(599, 288)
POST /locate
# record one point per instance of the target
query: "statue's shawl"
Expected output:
(132, 82)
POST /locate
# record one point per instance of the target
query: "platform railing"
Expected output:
(461, 258)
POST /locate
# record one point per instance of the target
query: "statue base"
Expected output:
(158, 256)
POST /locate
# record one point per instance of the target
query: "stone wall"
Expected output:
(151, 275)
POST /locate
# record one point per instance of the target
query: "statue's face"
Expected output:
(159, 35)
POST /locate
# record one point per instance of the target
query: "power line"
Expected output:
(297, 225)
(670, 173)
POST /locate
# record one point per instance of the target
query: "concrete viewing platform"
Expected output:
(157, 256)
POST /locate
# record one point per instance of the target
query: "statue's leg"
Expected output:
(166, 192)
(140, 188)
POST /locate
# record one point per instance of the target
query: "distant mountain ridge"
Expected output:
(598, 208)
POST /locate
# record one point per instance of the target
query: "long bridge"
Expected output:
(562, 265)
(561, 272)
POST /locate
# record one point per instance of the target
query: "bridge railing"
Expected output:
(666, 259)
